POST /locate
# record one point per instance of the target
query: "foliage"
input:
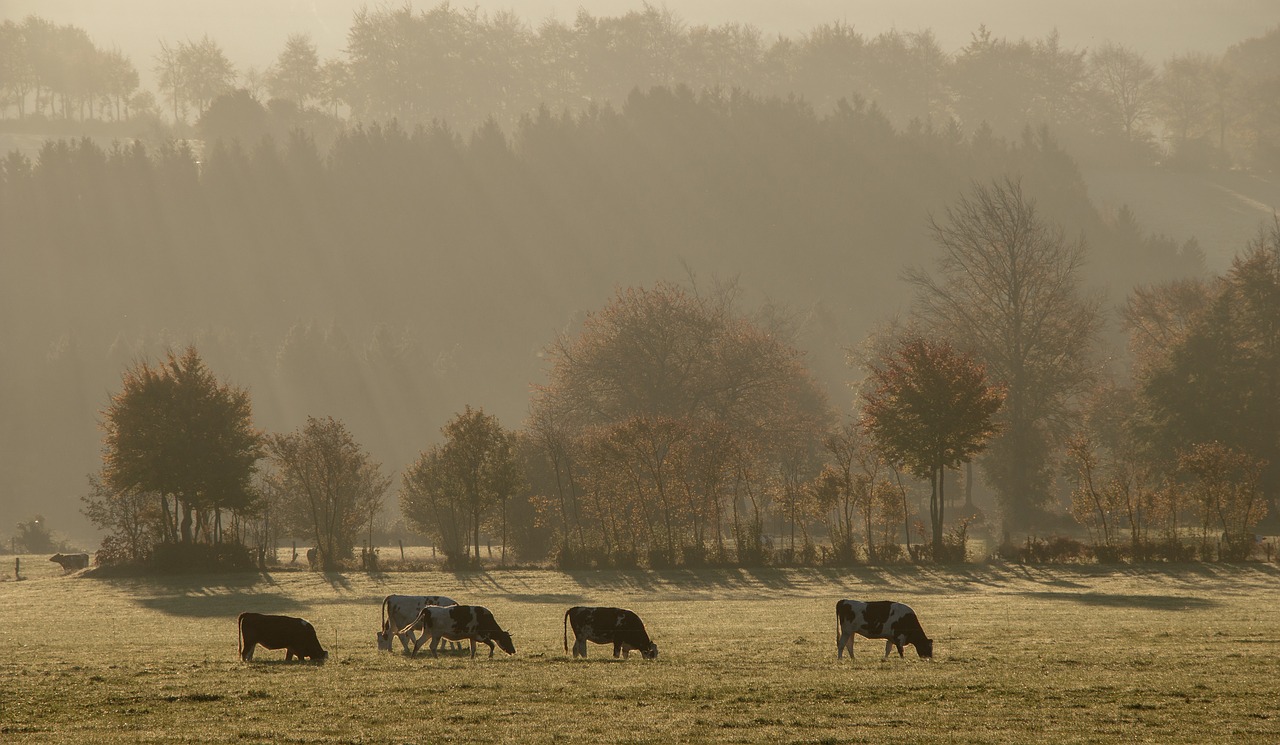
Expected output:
(456, 488)
(329, 487)
(1217, 378)
(930, 408)
(132, 520)
(655, 413)
(34, 536)
(1226, 491)
(175, 431)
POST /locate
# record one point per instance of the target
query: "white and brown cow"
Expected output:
(70, 562)
(896, 623)
(294, 635)
(473, 623)
(399, 612)
(617, 626)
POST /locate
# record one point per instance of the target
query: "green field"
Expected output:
(1023, 654)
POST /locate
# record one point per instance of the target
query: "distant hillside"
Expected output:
(1222, 210)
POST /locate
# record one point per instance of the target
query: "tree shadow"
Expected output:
(221, 605)
(1145, 602)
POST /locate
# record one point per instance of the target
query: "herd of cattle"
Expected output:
(442, 618)
(439, 617)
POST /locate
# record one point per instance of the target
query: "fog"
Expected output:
(252, 33)
(391, 274)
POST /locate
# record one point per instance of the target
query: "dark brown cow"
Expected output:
(294, 635)
(617, 626)
(70, 562)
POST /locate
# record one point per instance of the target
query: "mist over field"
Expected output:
(388, 213)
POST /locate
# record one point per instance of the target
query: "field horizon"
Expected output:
(1184, 653)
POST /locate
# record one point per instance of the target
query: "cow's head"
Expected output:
(651, 652)
(924, 648)
(384, 641)
(503, 638)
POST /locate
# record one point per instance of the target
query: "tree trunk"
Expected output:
(936, 508)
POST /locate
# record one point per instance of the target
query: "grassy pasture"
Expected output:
(1024, 654)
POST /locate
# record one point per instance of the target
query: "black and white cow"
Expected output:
(399, 612)
(70, 562)
(294, 635)
(457, 622)
(896, 623)
(617, 626)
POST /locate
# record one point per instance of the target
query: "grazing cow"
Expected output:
(894, 622)
(294, 635)
(71, 562)
(399, 610)
(457, 622)
(617, 626)
(313, 557)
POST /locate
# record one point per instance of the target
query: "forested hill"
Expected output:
(401, 274)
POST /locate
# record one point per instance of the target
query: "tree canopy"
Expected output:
(929, 407)
(175, 431)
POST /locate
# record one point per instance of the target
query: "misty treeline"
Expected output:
(401, 275)
(463, 66)
(674, 429)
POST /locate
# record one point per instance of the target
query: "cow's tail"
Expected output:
(240, 635)
(839, 651)
(566, 629)
(385, 601)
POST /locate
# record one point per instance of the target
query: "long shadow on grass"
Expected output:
(207, 596)
(1145, 602)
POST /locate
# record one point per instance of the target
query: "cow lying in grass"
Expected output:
(894, 622)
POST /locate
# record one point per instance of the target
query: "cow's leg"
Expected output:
(409, 637)
(898, 643)
(490, 643)
(617, 649)
(579, 648)
(249, 646)
(845, 641)
(288, 655)
(888, 647)
(473, 648)
(435, 644)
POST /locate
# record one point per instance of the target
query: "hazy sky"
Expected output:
(252, 32)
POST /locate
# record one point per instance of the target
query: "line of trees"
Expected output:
(1191, 442)
(464, 66)
(53, 71)
(673, 430)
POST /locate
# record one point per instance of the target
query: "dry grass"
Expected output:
(1184, 654)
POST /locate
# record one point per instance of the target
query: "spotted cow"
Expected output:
(294, 635)
(458, 622)
(397, 613)
(617, 626)
(896, 623)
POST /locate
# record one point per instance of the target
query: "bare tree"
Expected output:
(1008, 290)
(330, 488)
(1126, 85)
